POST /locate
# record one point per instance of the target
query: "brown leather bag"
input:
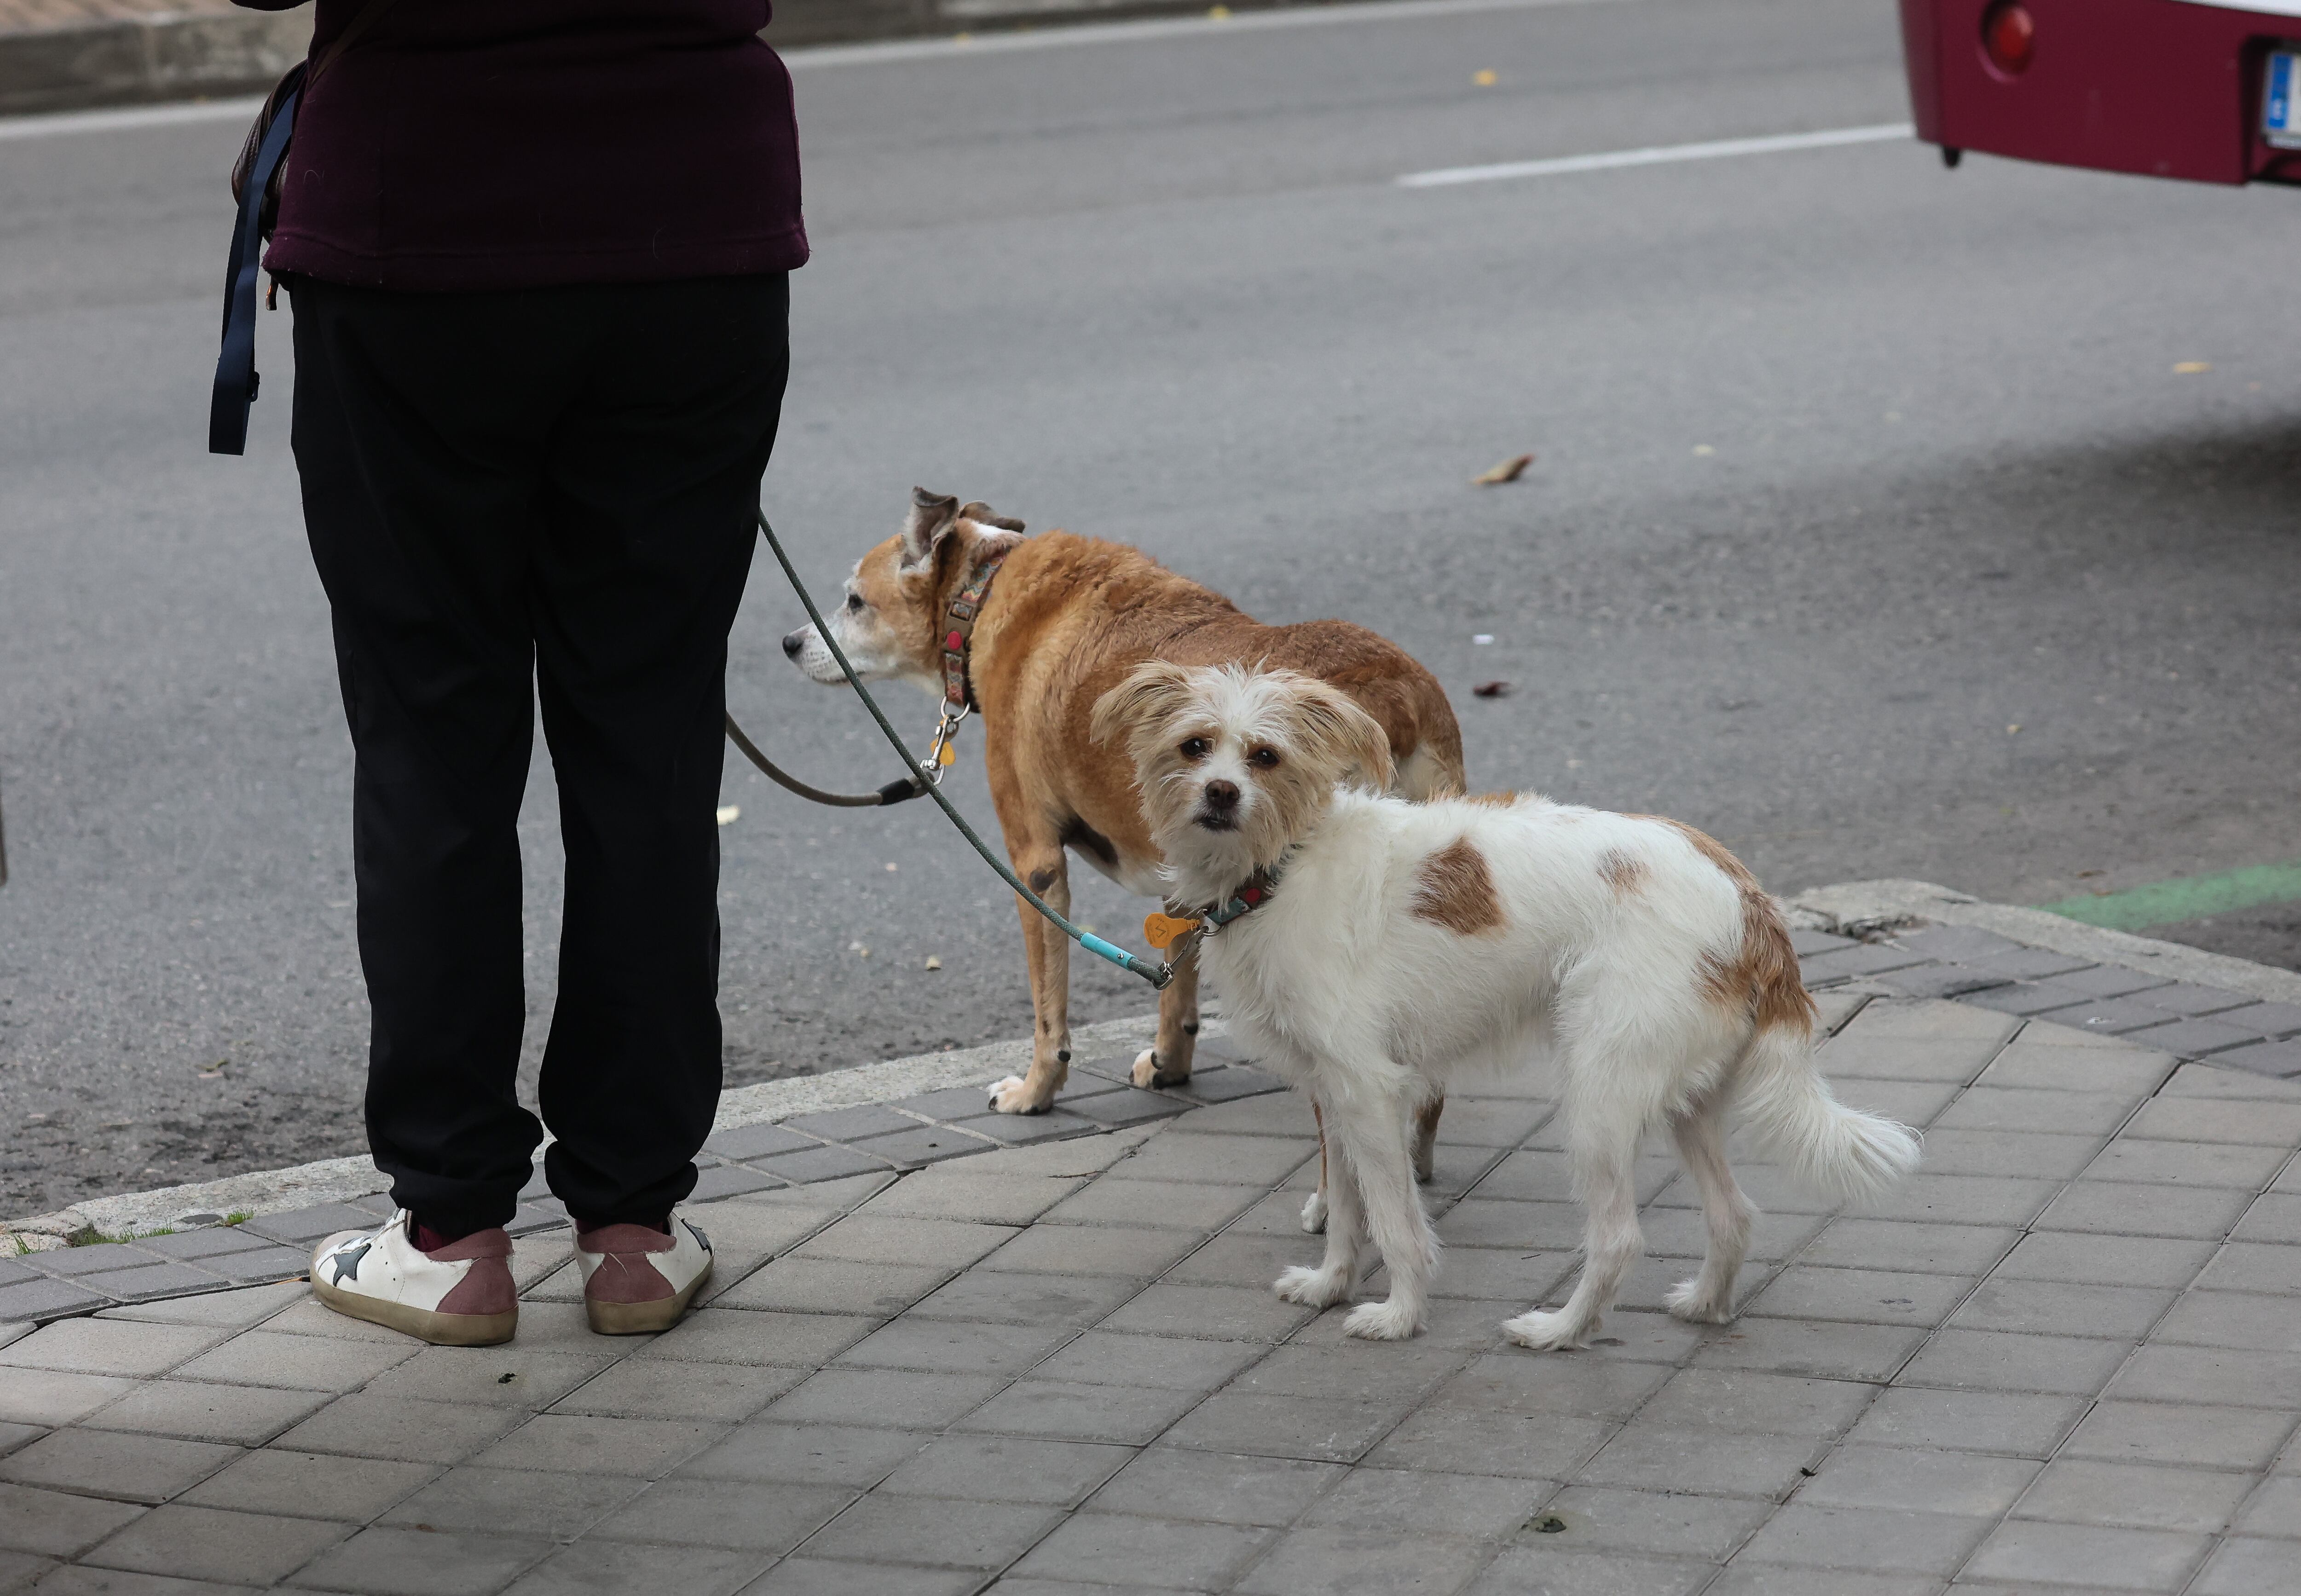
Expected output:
(303, 73)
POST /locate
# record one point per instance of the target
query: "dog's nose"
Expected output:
(1222, 795)
(793, 643)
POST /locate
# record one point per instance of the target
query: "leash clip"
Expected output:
(942, 753)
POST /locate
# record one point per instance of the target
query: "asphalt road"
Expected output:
(1848, 467)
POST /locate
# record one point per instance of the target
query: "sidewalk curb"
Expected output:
(1863, 909)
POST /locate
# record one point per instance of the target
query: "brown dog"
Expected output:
(1031, 632)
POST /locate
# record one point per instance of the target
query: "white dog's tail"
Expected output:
(1830, 1149)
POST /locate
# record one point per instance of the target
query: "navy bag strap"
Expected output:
(236, 377)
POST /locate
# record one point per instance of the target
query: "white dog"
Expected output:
(1372, 951)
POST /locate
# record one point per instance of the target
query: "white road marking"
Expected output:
(1661, 155)
(129, 118)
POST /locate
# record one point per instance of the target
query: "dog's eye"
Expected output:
(854, 602)
(1194, 747)
(1264, 759)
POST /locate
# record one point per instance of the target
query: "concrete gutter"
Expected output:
(173, 55)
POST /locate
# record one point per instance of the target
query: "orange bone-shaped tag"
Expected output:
(1162, 931)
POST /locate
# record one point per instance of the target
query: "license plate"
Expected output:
(2280, 115)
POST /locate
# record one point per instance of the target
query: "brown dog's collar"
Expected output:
(958, 634)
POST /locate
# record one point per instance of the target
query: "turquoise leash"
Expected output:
(1158, 975)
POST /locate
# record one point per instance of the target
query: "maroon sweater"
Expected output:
(501, 143)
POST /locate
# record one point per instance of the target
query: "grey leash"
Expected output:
(1158, 975)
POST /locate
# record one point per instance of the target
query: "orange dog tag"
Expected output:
(1162, 931)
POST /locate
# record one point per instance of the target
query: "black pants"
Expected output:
(513, 495)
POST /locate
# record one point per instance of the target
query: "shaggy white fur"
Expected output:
(1406, 945)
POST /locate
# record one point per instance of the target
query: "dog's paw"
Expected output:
(1013, 1096)
(1312, 1288)
(1314, 1213)
(1386, 1321)
(1546, 1333)
(1146, 1072)
(1686, 1300)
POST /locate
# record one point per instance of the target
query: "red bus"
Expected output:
(2170, 89)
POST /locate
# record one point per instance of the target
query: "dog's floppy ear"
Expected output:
(1151, 693)
(982, 515)
(931, 516)
(1330, 727)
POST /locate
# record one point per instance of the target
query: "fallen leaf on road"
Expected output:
(1484, 78)
(729, 813)
(1509, 471)
(2191, 368)
(2010, 731)
(934, 963)
(1491, 689)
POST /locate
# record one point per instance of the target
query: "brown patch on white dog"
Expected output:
(1625, 874)
(1763, 979)
(1454, 889)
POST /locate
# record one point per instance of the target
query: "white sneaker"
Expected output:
(635, 1279)
(459, 1295)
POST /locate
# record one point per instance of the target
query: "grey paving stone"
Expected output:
(869, 1238)
(2197, 1039)
(1491, 1122)
(136, 1468)
(1867, 1296)
(2254, 1267)
(591, 1443)
(1657, 1523)
(310, 1485)
(1179, 1157)
(1214, 1312)
(1542, 1175)
(2217, 1079)
(1749, 1577)
(2187, 1433)
(2095, 1259)
(805, 1455)
(1900, 1479)
(1108, 1357)
(2187, 998)
(2231, 1319)
(43, 1298)
(2110, 1017)
(477, 1374)
(1999, 1360)
(1222, 1086)
(1026, 1130)
(637, 1389)
(2280, 1060)
(2274, 1217)
(1463, 1325)
(835, 1286)
(1807, 943)
(2130, 1209)
(1532, 1447)
(2061, 1113)
(764, 1141)
(559, 1506)
(212, 1544)
(2248, 1568)
(2237, 1375)
(1285, 1114)
(2030, 997)
(933, 1532)
(1967, 1199)
(1940, 980)
(814, 1576)
(16, 1437)
(954, 1347)
(888, 1398)
(1819, 1349)
(1115, 1110)
(1157, 1205)
(1648, 1455)
(2059, 1307)
(1216, 1487)
(301, 1227)
(1863, 958)
(1512, 1381)
(241, 1308)
(298, 1362)
(603, 1568)
(1071, 1249)
(47, 1396)
(103, 1259)
(2116, 980)
(1178, 1554)
(821, 1163)
(123, 1346)
(728, 1180)
(2031, 1153)
(851, 1124)
(313, 1318)
(1537, 1569)
(2130, 1559)
(56, 1524)
(1519, 1226)
(1867, 1538)
(922, 1145)
(1058, 1410)
(2016, 1424)
(395, 1428)
(1764, 1404)
(2187, 1162)
(1501, 1274)
(1008, 1468)
(2102, 1065)
(2275, 1508)
(985, 1297)
(2208, 1119)
(1319, 1429)
(1912, 1102)
(972, 1193)
(1894, 1244)
(2265, 1019)
(193, 1411)
(405, 1562)
(2136, 1496)
(734, 1515)
(751, 1335)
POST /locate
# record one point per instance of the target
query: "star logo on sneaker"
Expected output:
(346, 1260)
